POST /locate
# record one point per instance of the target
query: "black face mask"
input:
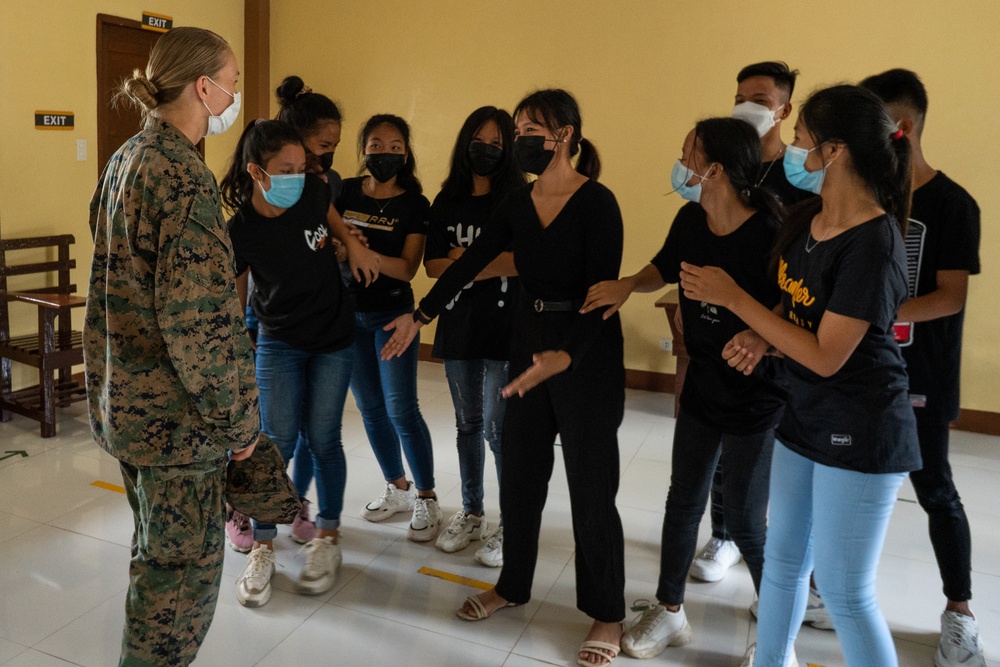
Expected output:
(531, 155)
(325, 161)
(383, 166)
(484, 157)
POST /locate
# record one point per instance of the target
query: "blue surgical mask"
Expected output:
(286, 189)
(679, 176)
(796, 172)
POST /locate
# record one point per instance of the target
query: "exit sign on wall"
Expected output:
(157, 22)
(53, 120)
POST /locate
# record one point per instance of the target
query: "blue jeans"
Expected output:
(305, 391)
(479, 410)
(386, 393)
(835, 520)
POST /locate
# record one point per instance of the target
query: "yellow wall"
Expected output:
(48, 61)
(644, 71)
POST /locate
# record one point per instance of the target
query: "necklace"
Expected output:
(771, 164)
(380, 206)
(826, 235)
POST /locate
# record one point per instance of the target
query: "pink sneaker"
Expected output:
(303, 530)
(239, 533)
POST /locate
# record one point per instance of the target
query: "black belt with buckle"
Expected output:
(540, 306)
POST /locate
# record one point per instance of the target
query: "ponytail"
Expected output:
(260, 141)
(898, 182)
(589, 163)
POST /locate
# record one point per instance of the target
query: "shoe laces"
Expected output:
(259, 562)
(712, 549)
(457, 522)
(422, 510)
(314, 550)
(648, 617)
(494, 540)
(960, 634)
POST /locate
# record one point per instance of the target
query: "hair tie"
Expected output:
(897, 135)
(305, 90)
(746, 192)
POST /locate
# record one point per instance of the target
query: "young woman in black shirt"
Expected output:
(724, 415)
(388, 207)
(565, 230)
(848, 435)
(281, 233)
(474, 331)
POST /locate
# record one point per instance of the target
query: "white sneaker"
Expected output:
(426, 522)
(748, 658)
(253, 587)
(816, 613)
(960, 645)
(491, 553)
(716, 557)
(656, 629)
(319, 574)
(392, 501)
(462, 529)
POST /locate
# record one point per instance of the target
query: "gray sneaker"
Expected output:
(655, 630)
(960, 645)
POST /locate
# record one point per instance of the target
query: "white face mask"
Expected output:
(758, 115)
(224, 121)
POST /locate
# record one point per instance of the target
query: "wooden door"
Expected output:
(122, 46)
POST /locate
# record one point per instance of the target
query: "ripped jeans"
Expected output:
(479, 411)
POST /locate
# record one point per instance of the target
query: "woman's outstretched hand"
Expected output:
(404, 330)
(544, 365)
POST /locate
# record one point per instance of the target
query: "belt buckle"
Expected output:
(539, 305)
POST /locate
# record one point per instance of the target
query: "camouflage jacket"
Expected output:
(170, 374)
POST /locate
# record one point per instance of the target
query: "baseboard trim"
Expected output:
(975, 421)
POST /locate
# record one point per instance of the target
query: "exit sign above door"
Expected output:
(53, 120)
(157, 22)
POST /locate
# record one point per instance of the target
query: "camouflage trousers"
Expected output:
(177, 551)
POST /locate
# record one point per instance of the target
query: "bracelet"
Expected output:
(418, 316)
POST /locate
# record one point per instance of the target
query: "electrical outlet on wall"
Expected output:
(81, 150)
(667, 344)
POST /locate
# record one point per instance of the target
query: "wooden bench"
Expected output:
(56, 348)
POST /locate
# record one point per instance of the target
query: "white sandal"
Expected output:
(479, 612)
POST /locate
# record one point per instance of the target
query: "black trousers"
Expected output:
(936, 493)
(746, 459)
(584, 406)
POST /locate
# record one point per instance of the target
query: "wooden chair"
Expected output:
(56, 348)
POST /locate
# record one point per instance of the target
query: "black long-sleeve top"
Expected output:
(580, 247)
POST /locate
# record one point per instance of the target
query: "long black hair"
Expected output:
(303, 109)
(880, 155)
(261, 140)
(407, 177)
(734, 144)
(554, 108)
(505, 178)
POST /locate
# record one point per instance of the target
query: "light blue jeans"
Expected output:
(305, 392)
(479, 410)
(386, 393)
(831, 522)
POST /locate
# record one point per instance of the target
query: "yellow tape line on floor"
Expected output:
(108, 487)
(454, 578)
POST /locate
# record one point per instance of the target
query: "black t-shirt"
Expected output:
(580, 247)
(943, 235)
(773, 178)
(297, 292)
(477, 323)
(714, 392)
(386, 223)
(860, 417)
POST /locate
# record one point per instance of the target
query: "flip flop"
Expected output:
(479, 612)
(602, 650)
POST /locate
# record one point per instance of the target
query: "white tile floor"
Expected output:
(63, 560)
